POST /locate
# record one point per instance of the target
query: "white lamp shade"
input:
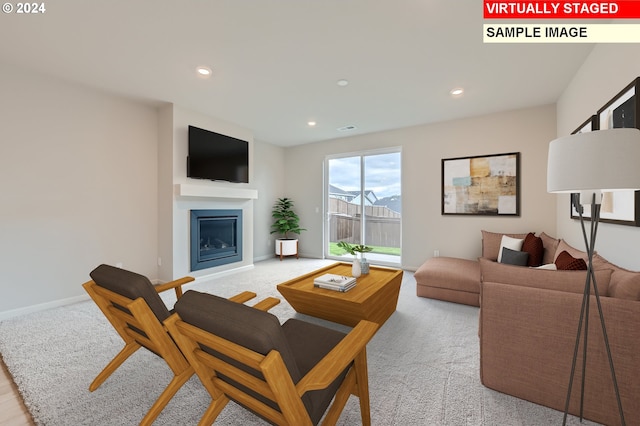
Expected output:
(602, 160)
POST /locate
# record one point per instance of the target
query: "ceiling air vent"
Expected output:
(347, 128)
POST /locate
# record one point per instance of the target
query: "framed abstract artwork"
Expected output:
(482, 185)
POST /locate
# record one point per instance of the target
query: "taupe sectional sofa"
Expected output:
(458, 280)
(528, 324)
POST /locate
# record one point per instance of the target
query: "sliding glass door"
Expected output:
(363, 204)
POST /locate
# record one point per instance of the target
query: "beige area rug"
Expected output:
(423, 365)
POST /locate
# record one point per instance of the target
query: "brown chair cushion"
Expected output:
(252, 328)
(301, 345)
(310, 343)
(131, 285)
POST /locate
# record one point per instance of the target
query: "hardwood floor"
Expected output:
(12, 410)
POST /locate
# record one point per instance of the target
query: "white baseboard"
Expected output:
(42, 307)
(224, 273)
(63, 302)
(265, 257)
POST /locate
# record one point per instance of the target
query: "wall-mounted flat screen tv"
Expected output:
(217, 157)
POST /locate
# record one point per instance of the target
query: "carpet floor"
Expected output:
(423, 364)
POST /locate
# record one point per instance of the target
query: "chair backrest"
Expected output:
(243, 325)
(130, 285)
(243, 338)
(135, 309)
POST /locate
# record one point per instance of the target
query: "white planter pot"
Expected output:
(287, 247)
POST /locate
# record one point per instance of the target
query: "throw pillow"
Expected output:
(576, 253)
(514, 257)
(491, 243)
(566, 262)
(625, 284)
(550, 247)
(549, 266)
(533, 246)
(511, 243)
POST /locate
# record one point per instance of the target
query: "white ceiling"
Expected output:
(276, 62)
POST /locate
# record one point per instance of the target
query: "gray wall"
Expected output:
(607, 70)
(78, 178)
(527, 131)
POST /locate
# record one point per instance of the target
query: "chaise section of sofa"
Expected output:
(528, 324)
(458, 280)
(449, 278)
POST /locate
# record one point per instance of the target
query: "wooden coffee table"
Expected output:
(374, 297)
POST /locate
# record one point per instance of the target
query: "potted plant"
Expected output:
(286, 224)
(360, 266)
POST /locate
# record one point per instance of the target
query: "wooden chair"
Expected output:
(133, 306)
(287, 374)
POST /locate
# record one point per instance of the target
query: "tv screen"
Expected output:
(217, 157)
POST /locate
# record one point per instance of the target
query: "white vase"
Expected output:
(355, 268)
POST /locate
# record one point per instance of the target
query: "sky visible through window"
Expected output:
(382, 174)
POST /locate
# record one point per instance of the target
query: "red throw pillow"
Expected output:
(566, 262)
(533, 245)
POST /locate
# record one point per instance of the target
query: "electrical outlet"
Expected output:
(436, 253)
(119, 265)
(159, 261)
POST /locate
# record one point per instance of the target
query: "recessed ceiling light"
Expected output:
(311, 123)
(457, 92)
(204, 71)
(342, 82)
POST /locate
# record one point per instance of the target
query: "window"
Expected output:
(364, 204)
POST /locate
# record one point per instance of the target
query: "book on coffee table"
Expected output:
(335, 282)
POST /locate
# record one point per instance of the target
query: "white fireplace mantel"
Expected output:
(204, 191)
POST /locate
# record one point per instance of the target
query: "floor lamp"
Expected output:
(586, 165)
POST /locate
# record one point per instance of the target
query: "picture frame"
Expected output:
(485, 185)
(622, 111)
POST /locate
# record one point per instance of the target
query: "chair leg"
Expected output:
(340, 399)
(213, 411)
(113, 365)
(166, 395)
(362, 379)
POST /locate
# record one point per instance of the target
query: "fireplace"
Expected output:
(216, 238)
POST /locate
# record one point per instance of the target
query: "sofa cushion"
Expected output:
(514, 257)
(574, 252)
(569, 281)
(550, 247)
(566, 262)
(535, 247)
(510, 243)
(491, 243)
(450, 273)
(625, 284)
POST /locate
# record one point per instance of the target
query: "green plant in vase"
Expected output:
(286, 223)
(359, 265)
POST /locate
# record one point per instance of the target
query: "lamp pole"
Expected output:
(584, 311)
